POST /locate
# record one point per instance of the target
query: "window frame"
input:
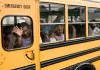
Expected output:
(89, 22)
(14, 49)
(48, 43)
(75, 23)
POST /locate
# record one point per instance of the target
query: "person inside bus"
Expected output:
(24, 37)
(44, 37)
(5, 40)
(52, 36)
(60, 32)
(96, 30)
(44, 31)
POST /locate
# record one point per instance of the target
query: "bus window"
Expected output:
(16, 32)
(52, 22)
(94, 22)
(76, 21)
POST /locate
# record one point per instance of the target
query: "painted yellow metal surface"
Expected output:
(57, 52)
(73, 61)
(97, 64)
(16, 58)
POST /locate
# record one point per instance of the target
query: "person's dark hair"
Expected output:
(23, 24)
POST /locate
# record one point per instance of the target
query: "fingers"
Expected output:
(14, 29)
(17, 30)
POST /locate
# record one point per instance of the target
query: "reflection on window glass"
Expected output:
(94, 14)
(17, 32)
(52, 22)
(51, 13)
(94, 21)
(76, 19)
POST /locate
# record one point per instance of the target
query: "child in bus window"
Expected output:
(24, 37)
(52, 36)
(60, 32)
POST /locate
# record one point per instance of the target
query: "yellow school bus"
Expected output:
(49, 35)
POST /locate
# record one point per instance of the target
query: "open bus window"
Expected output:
(94, 22)
(16, 32)
(52, 22)
(76, 21)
